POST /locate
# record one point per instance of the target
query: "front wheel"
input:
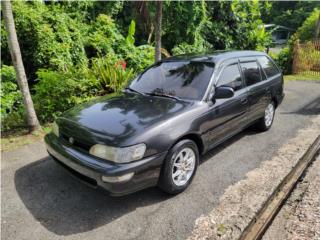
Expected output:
(179, 167)
(266, 121)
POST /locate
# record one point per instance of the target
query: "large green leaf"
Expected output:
(131, 32)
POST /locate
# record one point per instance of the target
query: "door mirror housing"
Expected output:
(223, 92)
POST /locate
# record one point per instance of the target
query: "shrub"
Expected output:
(185, 48)
(138, 58)
(58, 91)
(49, 37)
(218, 25)
(12, 109)
(111, 76)
(10, 95)
(105, 39)
(306, 31)
(284, 60)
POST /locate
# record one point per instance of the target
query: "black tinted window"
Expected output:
(251, 73)
(268, 66)
(183, 79)
(231, 77)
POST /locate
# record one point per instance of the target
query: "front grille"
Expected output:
(77, 143)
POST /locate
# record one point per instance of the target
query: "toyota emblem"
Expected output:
(71, 140)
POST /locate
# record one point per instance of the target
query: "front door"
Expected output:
(227, 116)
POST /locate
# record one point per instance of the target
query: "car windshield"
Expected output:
(179, 79)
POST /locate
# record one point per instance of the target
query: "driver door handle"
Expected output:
(244, 100)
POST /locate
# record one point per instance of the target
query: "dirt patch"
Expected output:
(14, 142)
(19, 137)
(241, 202)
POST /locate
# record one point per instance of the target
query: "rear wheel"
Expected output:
(266, 121)
(179, 167)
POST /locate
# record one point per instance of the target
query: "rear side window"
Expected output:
(251, 72)
(268, 66)
(230, 77)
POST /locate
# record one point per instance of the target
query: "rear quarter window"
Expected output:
(268, 66)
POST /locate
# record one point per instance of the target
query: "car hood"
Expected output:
(117, 119)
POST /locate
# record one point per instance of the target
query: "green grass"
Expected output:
(304, 77)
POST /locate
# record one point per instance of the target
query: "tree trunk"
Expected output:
(14, 47)
(150, 33)
(158, 31)
(317, 32)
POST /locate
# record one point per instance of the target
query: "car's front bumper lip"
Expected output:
(146, 171)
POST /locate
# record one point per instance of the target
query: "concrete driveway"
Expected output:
(42, 201)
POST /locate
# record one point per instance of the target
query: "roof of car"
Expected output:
(214, 56)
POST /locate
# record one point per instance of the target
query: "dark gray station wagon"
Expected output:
(153, 132)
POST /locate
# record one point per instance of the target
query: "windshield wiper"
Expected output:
(162, 95)
(133, 90)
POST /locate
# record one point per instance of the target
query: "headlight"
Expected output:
(55, 129)
(119, 155)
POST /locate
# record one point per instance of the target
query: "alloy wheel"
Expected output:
(268, 115)
(183, 166)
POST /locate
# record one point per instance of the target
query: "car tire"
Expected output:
(179, 167)
(265, 123)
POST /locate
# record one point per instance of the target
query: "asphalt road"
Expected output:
(42, 201)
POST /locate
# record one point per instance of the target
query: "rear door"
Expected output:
(257, 88)
(274, 76)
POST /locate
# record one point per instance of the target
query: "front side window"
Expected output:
(231, 77)
(251, 73)
(182, 79)
(268, 66)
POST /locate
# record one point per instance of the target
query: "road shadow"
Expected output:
(65, 206)
(311, 108)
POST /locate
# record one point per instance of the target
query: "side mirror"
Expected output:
(223, 92)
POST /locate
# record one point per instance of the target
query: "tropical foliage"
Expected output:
(307, 30)
(288, 13)
(112, 77)
(12, 112)
(76, 50)
(303, 34)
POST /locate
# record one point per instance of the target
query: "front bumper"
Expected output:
(91, 169)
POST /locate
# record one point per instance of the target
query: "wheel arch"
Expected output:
(275, 100)
(195, 138)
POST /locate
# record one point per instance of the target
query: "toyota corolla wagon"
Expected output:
(154, 132)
